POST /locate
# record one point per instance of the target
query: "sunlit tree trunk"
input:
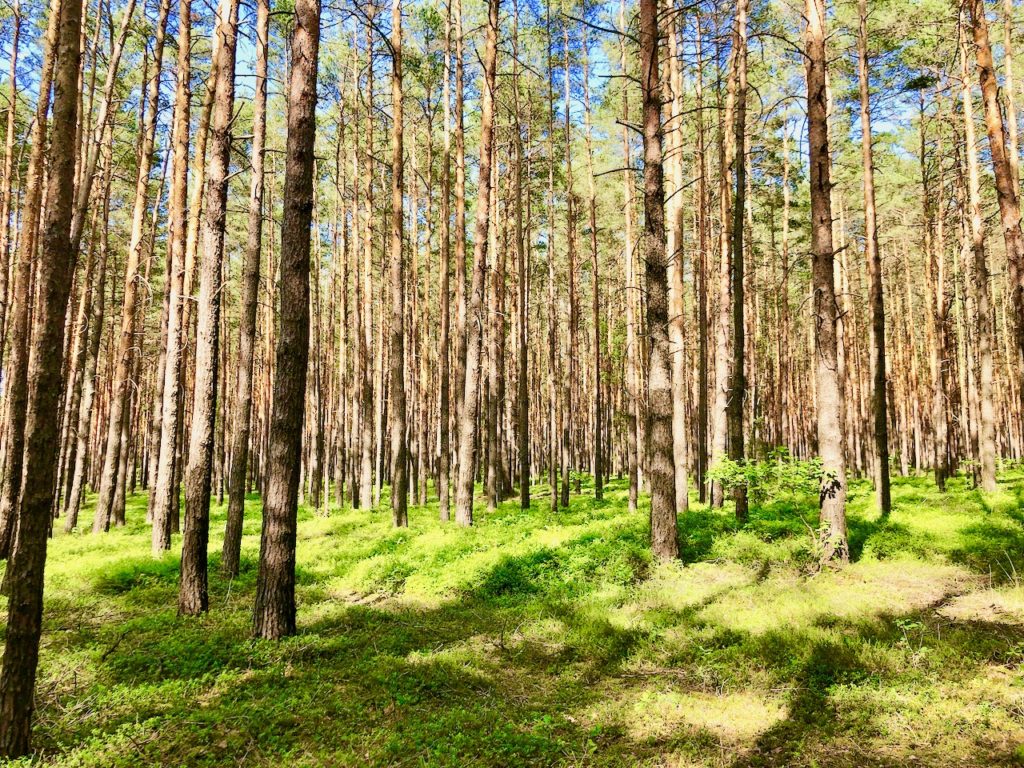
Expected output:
(979, 289)
(275, 585)
(879, 406)
(399, 446)
(192, 597)
(25, 569)
(469, 423)
(829, 414)
(166, 484)
(242, 419)
(659, 383)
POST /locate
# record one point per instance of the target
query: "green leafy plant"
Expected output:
(778, 475)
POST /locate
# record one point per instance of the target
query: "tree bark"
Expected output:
(834, 546)
(980, 292)
(25, 570)
(399, 444)
(1004, 170)
(738, 382)
(242, 419)
(275, 586)
(879, 406)
(124, 358)
(192, 596)
(468, 422)
(166, 489)
(664, 541)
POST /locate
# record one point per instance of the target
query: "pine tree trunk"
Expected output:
(397, 412)
(166, 489)
(659, 383)
(829, 412)
(242, 420)
(879, 407)
(1003, 167)
(192, 596)
(275, 586)
(444, 343)
(979, 288)
(25, 570)
(468, 422)
(17, 362)
(124, 355)
(738, 380)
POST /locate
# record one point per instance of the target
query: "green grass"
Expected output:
(541, 639)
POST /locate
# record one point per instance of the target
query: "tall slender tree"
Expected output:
(834, 545)
(25, 569)
(242, 416)
(275, 585)
(468, 422)
(664, 540)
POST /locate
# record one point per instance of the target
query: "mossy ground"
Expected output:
(553, 639)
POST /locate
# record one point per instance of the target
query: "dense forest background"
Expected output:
(267, 265)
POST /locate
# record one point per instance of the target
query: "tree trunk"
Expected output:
(242, 419)
(119, 389)
(399, 445)
(980, 290)
(468, 422)
(664, 542)
(25, 570)
(166, 489)
(444, 351)
(829, 414)
(17, 364)
(275, 586)
(192, 596)
(879, 407)
(1004, 169)
(738, 384)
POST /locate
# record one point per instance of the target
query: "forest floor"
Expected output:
(542, 639)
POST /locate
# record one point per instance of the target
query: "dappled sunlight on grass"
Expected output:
(535, 638)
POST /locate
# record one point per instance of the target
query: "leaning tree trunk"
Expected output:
(829, 416)
(119, 393)
(1004, 170)
(42, 432)
(659, 382)
(17, 363)
(275, 585)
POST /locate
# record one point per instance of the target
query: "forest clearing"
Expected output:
(538, 640)
(511, 383)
